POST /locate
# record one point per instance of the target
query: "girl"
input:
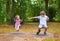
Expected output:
(43, 18)
(17, 21)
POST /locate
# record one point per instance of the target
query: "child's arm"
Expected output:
(21, 20)
(47, 18)
(33, 17)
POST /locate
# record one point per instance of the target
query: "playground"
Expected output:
(28, 32)
(22, 20)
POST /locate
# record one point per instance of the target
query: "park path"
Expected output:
(21, 39)
(23, 36)
(27, 37)
(26, 33)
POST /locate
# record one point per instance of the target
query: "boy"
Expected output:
(43, 18)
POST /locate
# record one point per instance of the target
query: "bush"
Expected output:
(52, 13)
(57, 17)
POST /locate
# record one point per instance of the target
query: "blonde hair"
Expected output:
(17, 16)
(42, 12)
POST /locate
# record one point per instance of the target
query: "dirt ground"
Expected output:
(28, 32)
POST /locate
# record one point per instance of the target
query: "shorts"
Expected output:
(43, 26)
(17, 27)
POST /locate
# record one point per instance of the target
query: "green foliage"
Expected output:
(52, 12)
(3, 14)
(28, 8)
(57, 17)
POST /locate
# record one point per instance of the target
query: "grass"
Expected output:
(53, 27)
(52, 39)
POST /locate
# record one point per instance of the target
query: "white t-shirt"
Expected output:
(43, 20)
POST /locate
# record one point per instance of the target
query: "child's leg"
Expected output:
(45, 27)
(38, 31)
(17, 28)
(45, 31)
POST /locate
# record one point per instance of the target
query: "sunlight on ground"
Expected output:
(32, 28)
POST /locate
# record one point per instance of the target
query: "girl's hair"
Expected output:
(17, 16)
(42, 12)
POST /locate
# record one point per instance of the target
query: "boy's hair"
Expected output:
(42, 12)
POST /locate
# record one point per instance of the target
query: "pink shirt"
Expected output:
(18, 22)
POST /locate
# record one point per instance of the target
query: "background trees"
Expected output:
(28, 8)
(57, 18)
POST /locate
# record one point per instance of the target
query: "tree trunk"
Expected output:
(12, 12)
(46, 5)
(8, 7)
(8, 10)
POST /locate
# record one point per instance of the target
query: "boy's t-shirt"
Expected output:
(43, 20)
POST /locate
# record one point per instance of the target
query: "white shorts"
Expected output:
(42, 26)
(17, 27)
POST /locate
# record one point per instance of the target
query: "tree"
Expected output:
(8, 7)
(46, 5)
(57, 18)
(3, 14)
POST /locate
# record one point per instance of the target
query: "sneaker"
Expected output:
(37, 33)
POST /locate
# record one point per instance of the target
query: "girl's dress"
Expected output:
(17, 23)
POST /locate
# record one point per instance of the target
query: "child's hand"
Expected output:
(32, 17)
(29, 18)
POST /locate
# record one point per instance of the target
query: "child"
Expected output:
(17, 21)
(43, 18)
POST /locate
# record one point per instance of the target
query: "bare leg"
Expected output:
(38, 31)
(45, 31)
